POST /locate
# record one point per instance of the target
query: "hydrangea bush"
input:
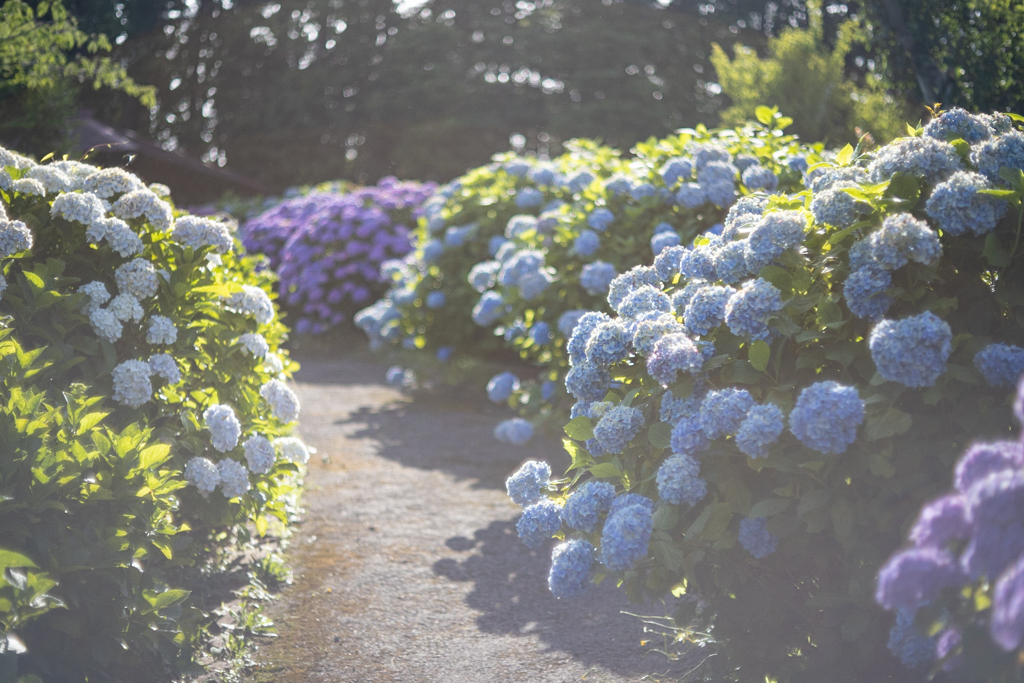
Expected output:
(142, 416)
(760, 416)
(327, 247)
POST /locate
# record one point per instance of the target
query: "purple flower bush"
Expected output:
(328, 248)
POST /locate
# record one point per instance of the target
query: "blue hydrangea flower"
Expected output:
(539, 522)
(907, 643)
(595, 277)
(825, 178)
(1007, 624)
(691, 195)
(609, 343)
(672, 354)
(699, 262)
(567, 321)
(744, 211)
(529, 197)
(914, 576)
(587, 383)
(579, 181)
(583, 505)
(629, 499)
(533, 284)
(755, 539)
(632, 279)
(625, 537)
(641, 191)
(674, 409)
(515, 431)
(618, 184)
(706, 152)
(524, 486)
(706, 309)
(957, 123)
(644, 299)
(991, 155)
(488, 309)
(676, 169)
(522, 263)
(540, 333)
(759, 429)
(920, 156)
(826, 417)
(515, 331)
(587, 243)
(860, 255)
(666, 263)
(651, 328)
(797, 163)
(547, 390)
(584, 327)
(747, 311)
(517, 168)
(995, 508)
(618, 427)
(501, 386)
(681, 299)
(745, 161)
(483, 275)
(570, 568)
(718, 180)
(731, 262)
(722, 412)
(436, 299)
(903, 238)
(984, 459)
(957, 206)
(444, 353)
(432, 250)
(912, 351)
(662, 240)
(772, 235)
(547, 221)
(542, 175)
(520, 224)
(679, 480)
(757, 177)
(455, 236)
(600, 218)
(941, 521)
(688, 436)
(495, 244)
(1000, 364)
(834, 206)
(864, 291)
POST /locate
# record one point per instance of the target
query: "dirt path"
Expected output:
(407, 566)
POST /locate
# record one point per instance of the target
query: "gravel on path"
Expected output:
(407, 564)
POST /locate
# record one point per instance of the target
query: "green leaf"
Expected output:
(905, 187)
(880, 466)
(763, 114)
(759, 354)
(10, 558)
(101, 441)
(718, 522)
(669, 555)
(89, 421)
(769, 507)
(164, 599)
(842, 521)
(605, 470)
(736, 494)
(742, 372)
(666, 517)
(682, 389)
(892, 423)
(580, 428)
(777, 276)
(845, 155)
(35, 281)
(994, 252)
(154, 455)
(660, 434)
(813, 500)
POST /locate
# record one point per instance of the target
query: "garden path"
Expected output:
(407, 565)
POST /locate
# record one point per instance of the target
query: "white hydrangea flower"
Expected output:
(9, 158)
(123, 239)
(252, 301)
(15, 237)
(105, 324)
(52, 179)
(198, 232)
(292, 449)
(213, 261)
(284, 404)
(131, 383)
(273, 364)
(234, 480)
(259, 453)
(144, 203)
(96, 293)
(6, 181)
(75, 171)
(126, 307)
(81, 207)
(223, 425)
(254, 343)
(137, 277)
(110, 181)
(163, 365)
(160, 190)
(3, 211)
(29, 186)
(161, 330)
(203, 474)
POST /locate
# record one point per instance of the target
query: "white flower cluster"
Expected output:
(273, 364)
(160, 190)
(203, 474)
(15, 237)
(251, 301)
(9, 158)
(75, 171)
(284, 404)
(53, 179)
(107, 182)
(144, 202)
(292, 449)
(234, 480)
(198, 232)
(80, 207)
(137, 277)
(161, 330)
(126, 307)
(259, 453)
(223, 425)
(164, 365)
(29, 186)
(105, 324)
(97, 293)
(117, 234)
(131, 383)
(254, 343)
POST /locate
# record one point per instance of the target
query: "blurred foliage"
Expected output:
(809, 79)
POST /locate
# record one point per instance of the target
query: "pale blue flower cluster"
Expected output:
(600, 218)
(921, 156)
(826, 417)
(957, 123)
(609, 343)
(540, 333)
(679, 480)
(676, 169)
(666, 263)
(755, 538)
(650, 328)
(722, 411)
(999, 152)
(672, 354)
(587, 243)
(773, 234)
(699, 262)
(436, 299)
(864, 291)
(747, 311)
(584, 327)
(644, 299)
(627, 282)
(515, 431)
(539, 522)
(901, 239)
(1000, 364)
(761, 428)
(617, 428)
(907, 643)
(673, 409)
(570, 568)
(587, 383)
(706, 309)
(488, 309)
(957, 205)
(568, 320)
(524, 486)
(836, 207)
(501, 386)
(224, 427)
(757, 177)
(595, 277)
(691, 195)
(730, 263)
(662, 240)
(626, 534)
(529, 197)
(484, 275)
(586, 503)
(912, 351)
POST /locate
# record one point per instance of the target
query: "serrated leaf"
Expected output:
(580, 428)
(154, 455)
(718, 521)
(994, 252)
(892, 423)
(605, 470)
(812, 500)
(777, 276)
(91, 420)
(10, 558)
(660, 434)
(665, 518)
(759, 355)
(845, 155)
(164, 599)
(769, 507)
